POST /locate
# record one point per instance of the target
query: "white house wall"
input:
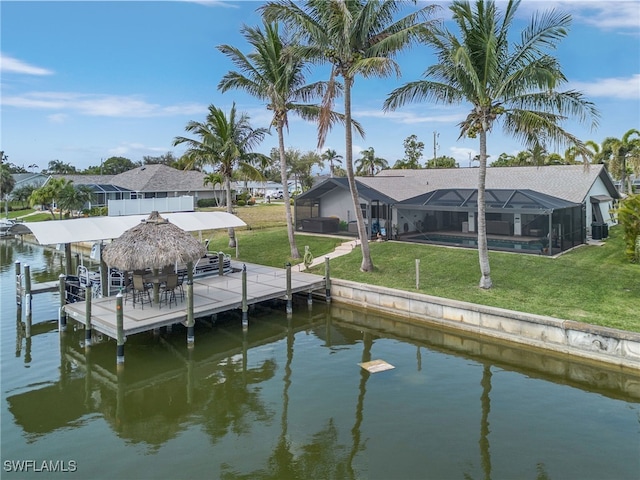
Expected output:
(599, 188)
(338, 204)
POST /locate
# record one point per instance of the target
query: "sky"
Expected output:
(82, 81)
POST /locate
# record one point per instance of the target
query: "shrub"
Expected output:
(241, 203)
(629, 218)
(206, 202)
(251, 201)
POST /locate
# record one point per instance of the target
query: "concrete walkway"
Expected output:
(340, 250)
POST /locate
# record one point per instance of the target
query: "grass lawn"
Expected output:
(592, 284)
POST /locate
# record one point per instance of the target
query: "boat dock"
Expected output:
(211, 295)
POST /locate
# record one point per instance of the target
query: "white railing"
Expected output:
(142, 206)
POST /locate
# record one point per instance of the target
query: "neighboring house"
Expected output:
(526, 206)
(35, 180)
(147, 181)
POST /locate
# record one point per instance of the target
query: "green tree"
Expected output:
(623, 156)
(22, 194)
(49, 194)
(7, 182)
(368, 164)
(226, 144)
(356, 37)
(332, 157)
(111, 166)
(412, 153)
(58, 167)
(629, 218)
(516, 84)
(213, 179)
(274, 72)
(74, 197)
(505, 160)
(167, 159)
(442, 161)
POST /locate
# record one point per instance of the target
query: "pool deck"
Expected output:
(211, 295)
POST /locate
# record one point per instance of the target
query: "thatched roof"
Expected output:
(154, 243)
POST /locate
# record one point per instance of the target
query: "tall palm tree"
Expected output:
(369, 164)
(514, 83)
(623, 153)
(274, 72)
(357, 37)
(226, 144)
(332, 157)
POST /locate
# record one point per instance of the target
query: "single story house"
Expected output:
(147, 181)
(550, 208)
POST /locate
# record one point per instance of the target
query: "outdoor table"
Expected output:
(156, 278)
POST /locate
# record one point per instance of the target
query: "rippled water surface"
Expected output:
(288, 400)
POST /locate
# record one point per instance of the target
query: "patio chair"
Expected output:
(140, 291)
(168, 293)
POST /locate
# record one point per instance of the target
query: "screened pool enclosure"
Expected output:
(516, 220)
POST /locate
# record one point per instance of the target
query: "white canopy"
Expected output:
(92, 229)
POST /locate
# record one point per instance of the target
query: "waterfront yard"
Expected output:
(592, 284)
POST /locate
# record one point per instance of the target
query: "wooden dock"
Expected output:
(211, 295)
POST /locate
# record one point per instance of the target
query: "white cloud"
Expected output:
(57, 118)
(625, 88)
(409, 117)
(13, 65)
(606, 15)
(99, 105)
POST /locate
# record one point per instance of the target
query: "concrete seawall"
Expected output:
(601, 344)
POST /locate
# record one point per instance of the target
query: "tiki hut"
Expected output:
(154, 243)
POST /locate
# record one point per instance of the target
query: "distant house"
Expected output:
(528, 208)
(147, 181)
(35, 180)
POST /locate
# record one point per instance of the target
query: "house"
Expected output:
(526, 207)
(147, 181)
(35, 180)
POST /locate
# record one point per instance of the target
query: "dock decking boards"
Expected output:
(211, 295)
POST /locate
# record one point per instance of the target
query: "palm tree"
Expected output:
(274, 72)
(50, 194)
(369, 164)
(623, 153)
(331, 156)
(356, 37)
(225, 143)
(214, 179)
(513, 83)
(74, 197)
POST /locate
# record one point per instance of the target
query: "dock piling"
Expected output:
(62, 320)
(289, 299)
(190, 318)
(221, 263)
(18, 283)
(27, 300)
(327, 280)
(87, 316)
(245, 314)
(120, 331)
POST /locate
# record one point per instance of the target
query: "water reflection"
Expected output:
(286, 399)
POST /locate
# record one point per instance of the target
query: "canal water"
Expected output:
(288, 400)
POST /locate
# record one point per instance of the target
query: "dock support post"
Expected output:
(327, 280)
(62, 317)
(245, 309)
(87, 318)
(27, 299)
(120, 332)
(309, 300)
(289, 299)
(18, 283)
(190, 319)
(68, 261)
(104, 276)
(221, 263)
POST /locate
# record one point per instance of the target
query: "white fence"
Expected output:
(141, 206)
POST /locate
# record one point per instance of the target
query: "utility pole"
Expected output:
(435, 146)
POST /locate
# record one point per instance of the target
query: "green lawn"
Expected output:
(592, 284)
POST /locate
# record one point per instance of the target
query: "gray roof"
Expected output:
(86, 179)
(568, 182)
(364, 190)
(160, 178)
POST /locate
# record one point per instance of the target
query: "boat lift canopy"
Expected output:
(91, 229)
